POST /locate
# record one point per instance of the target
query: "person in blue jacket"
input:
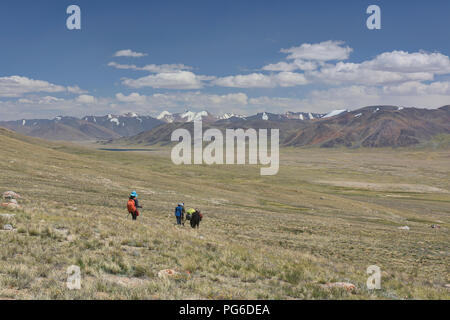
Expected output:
(179, 210)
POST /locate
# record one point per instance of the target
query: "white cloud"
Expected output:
(179, 101)
(290, 79)
(416, 88)
(152, 68)
(169, 80)
(253, 80)
(401, 61)
(132, 98)
(259, 80)
(323, 51)
(354, 73)
(16, 86)
(411, 94)
(129, 53)
(86, 99)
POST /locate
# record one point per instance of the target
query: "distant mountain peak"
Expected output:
(131, 115)
(227, 116)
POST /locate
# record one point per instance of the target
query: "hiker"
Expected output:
(189, 214)
(133, 205)
(179, 213)
(196, 217)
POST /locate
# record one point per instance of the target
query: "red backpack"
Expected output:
(131, 206)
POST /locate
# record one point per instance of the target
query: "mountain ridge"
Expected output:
(372, 126)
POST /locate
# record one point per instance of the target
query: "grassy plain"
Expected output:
(326, 217)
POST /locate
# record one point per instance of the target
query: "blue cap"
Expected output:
(134, 194)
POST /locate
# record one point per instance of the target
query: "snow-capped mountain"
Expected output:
(87, 128)
(187, 116)
(227, 116)
(373, 126)
(125, 125)
(303, 115)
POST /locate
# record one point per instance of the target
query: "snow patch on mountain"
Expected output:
(163, 114)
(227, 116)
(335, 113)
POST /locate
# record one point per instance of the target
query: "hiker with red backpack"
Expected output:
(133, 205)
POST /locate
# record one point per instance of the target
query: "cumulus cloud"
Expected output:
(253, 80)
(16, 86)
(289, 79)
(132, 98)
(401, 61)
(259, 80)
(323, 51)
(411, 94)
(129, 53)
(416, 88)
(354, 73)
(183, 99)
(168, 80)
(86, 99)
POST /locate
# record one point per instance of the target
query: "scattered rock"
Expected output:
(344, 285)
(167, 273)
(11, 195)
(10, 205)
(8, 227)
(447, 286)
(403, 228)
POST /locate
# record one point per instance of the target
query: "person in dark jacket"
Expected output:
(196, 217)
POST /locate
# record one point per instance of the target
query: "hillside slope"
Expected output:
(375, 127)
(379, 126)
(277, 238)
(88, 128)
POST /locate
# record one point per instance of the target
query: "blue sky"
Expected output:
(223, 56)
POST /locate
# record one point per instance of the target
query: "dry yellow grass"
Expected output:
(275, 237)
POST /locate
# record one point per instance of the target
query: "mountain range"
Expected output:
(127, 125)
(374, 126)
